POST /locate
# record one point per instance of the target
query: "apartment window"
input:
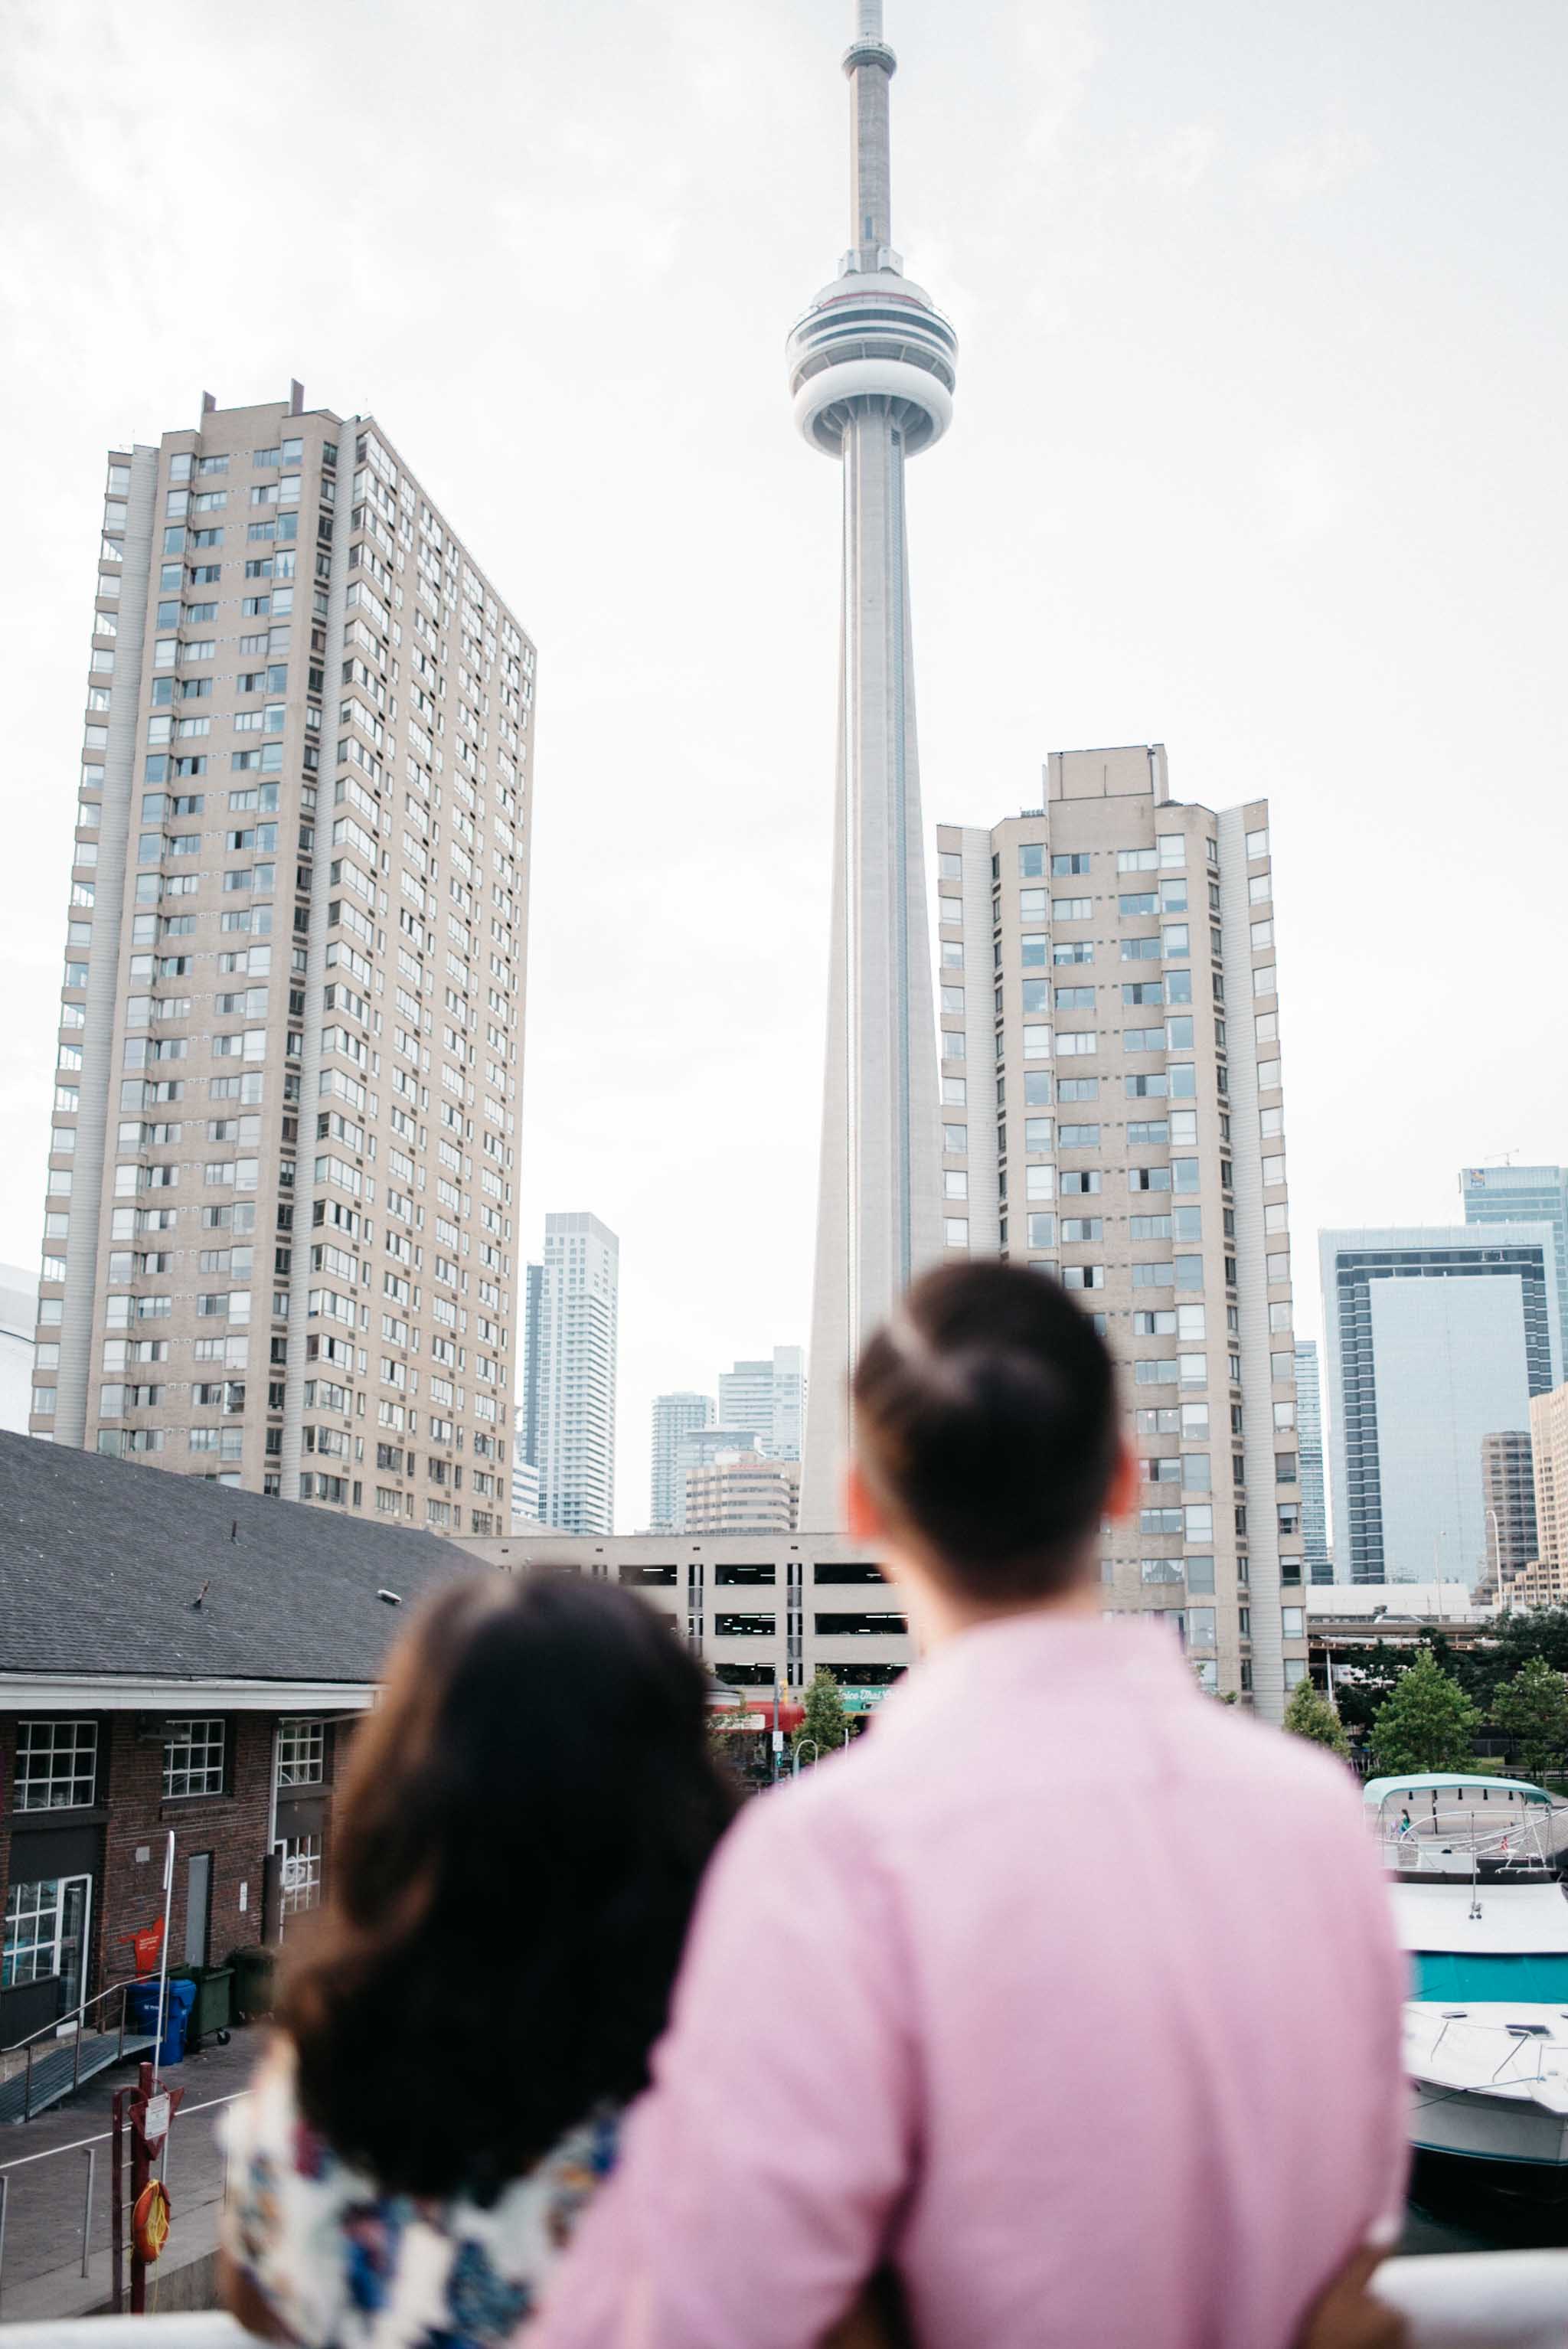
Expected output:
(956, 1230)
(1075, 950)
(57, 1765)
(1031, 860)
(1134, 902)
(1257, 843)
(1063, 867)
(193, 1756)
(1260, 888)
(949, 865)
(1037, 1044)
(1077, 1229)
(301, 1752)
(955, 1184)
(1083, 1276)
(954, 1091)
(1081, 1181)
(1037, 995)
(1069, 998)
(1141, 949)
(1042, 1231)
(1071, 909)
(955, 1138)
(1076, 1042)
(1136, 860)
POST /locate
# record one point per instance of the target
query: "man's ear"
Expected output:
(1122, 1497)
(861, 1514)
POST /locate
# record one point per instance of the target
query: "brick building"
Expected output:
(173, 1655)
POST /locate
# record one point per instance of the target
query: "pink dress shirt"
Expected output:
(1069, 1991)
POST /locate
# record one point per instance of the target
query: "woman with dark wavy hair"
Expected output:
(521, 1831)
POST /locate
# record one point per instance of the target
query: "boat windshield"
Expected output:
(1470, 1829)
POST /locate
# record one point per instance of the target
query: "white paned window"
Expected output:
(57, 1765)
(301, 1753)
(194, 1757)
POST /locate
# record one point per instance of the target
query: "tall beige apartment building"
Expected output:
(1507, 1489)
(1112, 1111)
(742, 1492)
(280, 1241)
(1549, 1448)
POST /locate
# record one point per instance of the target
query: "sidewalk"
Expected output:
(40, 2266)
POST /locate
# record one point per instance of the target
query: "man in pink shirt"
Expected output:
(1069, 1995)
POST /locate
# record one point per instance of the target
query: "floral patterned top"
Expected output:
(345, 2265)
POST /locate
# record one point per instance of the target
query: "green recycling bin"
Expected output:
(214, 2003)
(251, 1985)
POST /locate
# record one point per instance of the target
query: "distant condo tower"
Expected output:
(872, 367)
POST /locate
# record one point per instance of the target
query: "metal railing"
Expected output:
(89, 2145)
(47, 2038)
(1462, 2300)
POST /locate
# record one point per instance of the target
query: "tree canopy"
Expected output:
(1427, 1722)
(1533, 1708)
(826, 1724)
(1309, 1715)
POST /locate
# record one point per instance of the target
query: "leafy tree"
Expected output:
(1542, 1631)
(1428, 1723)
(826, 1724)
(1534, 1707)
(1309, 1715)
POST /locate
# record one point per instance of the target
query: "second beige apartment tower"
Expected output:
(280, 1239)
(1112, 1113)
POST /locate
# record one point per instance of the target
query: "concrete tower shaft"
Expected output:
(873, 366)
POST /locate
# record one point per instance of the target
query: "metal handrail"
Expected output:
(89, 2144)
(51, 2030)
(54, 2031)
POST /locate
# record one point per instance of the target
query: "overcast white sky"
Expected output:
(1258, 452)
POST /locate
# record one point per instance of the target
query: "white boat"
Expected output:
(1476, 1868)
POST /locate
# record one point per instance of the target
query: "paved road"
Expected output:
(40, 2267)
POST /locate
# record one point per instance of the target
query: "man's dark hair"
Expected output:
(522, 1828)
(985, 1421)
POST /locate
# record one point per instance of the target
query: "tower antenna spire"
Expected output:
(870, 66)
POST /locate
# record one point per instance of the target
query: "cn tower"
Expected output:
(872, 366)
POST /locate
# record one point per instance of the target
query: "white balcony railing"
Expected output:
(1470, 2300)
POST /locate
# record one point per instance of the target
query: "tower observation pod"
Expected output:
(872, 366)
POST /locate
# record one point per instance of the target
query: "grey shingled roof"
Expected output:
(100, 1563)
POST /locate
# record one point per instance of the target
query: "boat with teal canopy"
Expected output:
(1478, 1866)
